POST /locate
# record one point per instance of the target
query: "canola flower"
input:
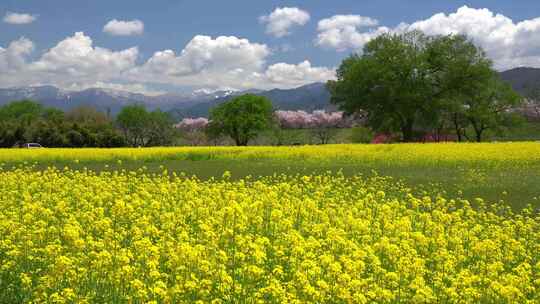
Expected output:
(76, 236)
(518, 154)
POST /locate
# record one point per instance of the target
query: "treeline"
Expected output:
(321, 126)
(413, 84)
(28, 121)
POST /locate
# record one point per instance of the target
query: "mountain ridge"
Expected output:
(308, 97)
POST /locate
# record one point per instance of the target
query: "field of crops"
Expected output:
(494, 154)
(492, 171)
(69, 236)
(74, 235)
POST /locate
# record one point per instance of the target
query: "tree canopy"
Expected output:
(412, 82)
(242, 118)
(143, 128)
(29, 121)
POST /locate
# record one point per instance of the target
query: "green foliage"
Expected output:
(23, 110)
(361, 135)
(132, 120)
(28, 121)
(489, 107)
(143, 128)
(87, 115)
(160, 130)
(413, 84)
(242, 118)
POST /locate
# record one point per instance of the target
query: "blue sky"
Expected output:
(302, 51)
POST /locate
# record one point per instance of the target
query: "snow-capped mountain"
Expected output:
(107, 99)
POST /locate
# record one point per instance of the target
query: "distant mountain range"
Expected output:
(309, 97)
(106, 99)
(522, 79)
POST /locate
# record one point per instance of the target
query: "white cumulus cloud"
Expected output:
(76, 57)
(224, 62)
(17, 18)
(280, 22)
(294, 75)
(13, 58)
(507, 42)
(74, 60)
(206, 61)
(124, 28)
(342, 32)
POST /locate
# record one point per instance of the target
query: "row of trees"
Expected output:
(415, 84)
(142, 128)
(241, 119)
(241, 127)
(28, 121)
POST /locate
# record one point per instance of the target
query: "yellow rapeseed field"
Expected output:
(522, 153)
(75, 236)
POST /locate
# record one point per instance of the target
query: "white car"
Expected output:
(31, 146)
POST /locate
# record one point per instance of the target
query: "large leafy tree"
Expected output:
(29, 121)
(242, 118)
(159, 129)
(489, 107)
(133, 121)
(22, 110)
(19, 119)
(410, 82)
(143, 128)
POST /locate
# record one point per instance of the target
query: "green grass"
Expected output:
(522, 186)
(494, 172)
(527, 131)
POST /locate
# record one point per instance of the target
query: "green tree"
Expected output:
(361, 135)
(87, 115)
(11, 133)
(18, 120)
(160, 129)
(22, 110)
(403, 82)
(143, 128)
(242, 118)
(133, 122)
(489, 107)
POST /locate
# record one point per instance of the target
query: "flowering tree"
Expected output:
(531, 107)
(193, 129)
(531, 110)
(323, 124)
(305, 120)
(192, 124)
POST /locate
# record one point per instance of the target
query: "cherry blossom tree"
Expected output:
(324, 125)
(193, 130)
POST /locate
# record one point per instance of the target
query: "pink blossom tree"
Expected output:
(193, 130)
(323, 124)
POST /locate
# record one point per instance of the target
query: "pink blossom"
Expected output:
(192, 124)
(316, 119)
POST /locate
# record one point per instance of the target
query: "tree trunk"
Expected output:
(457, 128)
(240, 142)
(478, 130)
(407, 130)
(479, 135)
